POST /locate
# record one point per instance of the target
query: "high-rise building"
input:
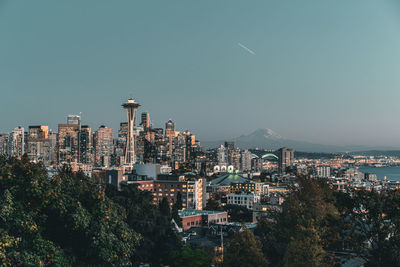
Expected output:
(169, 135)
(169, 126)
(67, 143)
(246, 157)
(130, 157)
(85, 145)
(229, 145)
(52, 139)
(16, 142)
(120, 145)
(40, 148)
(123, 131)
(192, 191)
(286, 157)
(3, 144)
(221, 155)
(145, 121)
(323, 171)
(103, 145)
(74, 119)
(232, 156)
(40, 131)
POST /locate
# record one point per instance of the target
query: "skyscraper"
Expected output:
(3, 144)
(40, 148)
(74, 119)
(85, 145)
(286, 157)
(130, 157)
(145, 121)
(229, 145)
(120, 145)
(103, 145)
(246, 157)
(16, 142)
(67, 143)
(169, 134)
(169, 126)
(221, 155)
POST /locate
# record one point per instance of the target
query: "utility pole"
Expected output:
(222, 246)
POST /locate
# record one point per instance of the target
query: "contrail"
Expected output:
(247, 49)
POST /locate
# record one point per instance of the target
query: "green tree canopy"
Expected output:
(159, 240)
(66, 220)
(309, 208)
(188, 257)
(244, 250)
(178, 205)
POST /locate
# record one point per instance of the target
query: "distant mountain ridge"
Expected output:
(269, 139)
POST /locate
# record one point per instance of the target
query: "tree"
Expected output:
(159, 240)
(309, 208)
(188, 257)
(304, 250)
(64, 221)
(375, 218)
(239, 213)
(244, 250)
(175, 209)
(213, 205)
(164, 207)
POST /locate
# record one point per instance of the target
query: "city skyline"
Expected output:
(314, 77)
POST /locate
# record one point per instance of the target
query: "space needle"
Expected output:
(131, 107)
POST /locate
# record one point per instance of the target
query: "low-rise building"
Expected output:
(244, 199)
(197, 218)
(192, 191)
(249, 187)
(323, 171)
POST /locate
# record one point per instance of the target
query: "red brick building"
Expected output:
(198, 218)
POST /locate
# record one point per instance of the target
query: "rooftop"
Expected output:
(190, 212)
(230, 178)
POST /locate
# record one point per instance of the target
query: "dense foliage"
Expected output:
(73, 220)
(66, 220)
(244, 250)
(306, 225)
(153, 223)
(319, 227)
(188, 257)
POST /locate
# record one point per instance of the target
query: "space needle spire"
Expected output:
(131, 106)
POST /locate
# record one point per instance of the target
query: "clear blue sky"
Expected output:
(324, 71)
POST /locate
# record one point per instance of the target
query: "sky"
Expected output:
(319, 71)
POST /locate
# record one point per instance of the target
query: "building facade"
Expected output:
(103, 146)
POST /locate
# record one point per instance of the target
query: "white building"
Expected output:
(323, 171)
(16, 142)
(244, 199)
(221, 153)
(354, 175)
(196, 190)
(245, 162)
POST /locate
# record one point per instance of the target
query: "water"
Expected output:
(392, 173)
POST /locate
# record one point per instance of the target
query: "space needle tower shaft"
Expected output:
(131, 107)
